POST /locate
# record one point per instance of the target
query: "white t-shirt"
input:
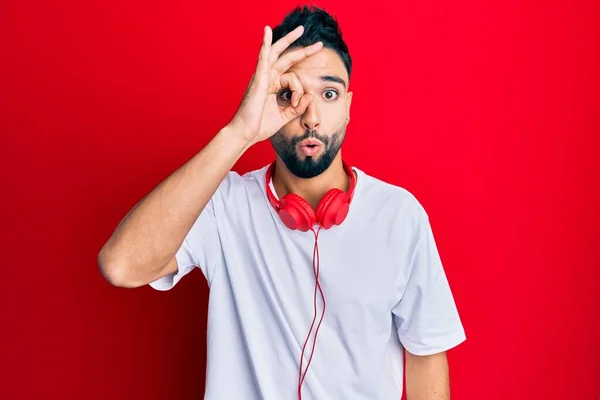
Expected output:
(384, 285)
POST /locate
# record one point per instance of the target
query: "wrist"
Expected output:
(237, 136)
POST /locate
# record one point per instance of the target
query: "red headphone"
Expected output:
(297, 214)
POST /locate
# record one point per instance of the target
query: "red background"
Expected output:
(486, 111)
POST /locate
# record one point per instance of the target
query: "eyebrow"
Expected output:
(333, 78)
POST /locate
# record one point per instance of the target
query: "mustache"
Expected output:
(308, 134)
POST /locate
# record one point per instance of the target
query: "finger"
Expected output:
(287, 60)
(285, 42)
(304, 103)
(291, 81)
(265, 50)
(292, 112)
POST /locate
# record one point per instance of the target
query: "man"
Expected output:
(320, 275)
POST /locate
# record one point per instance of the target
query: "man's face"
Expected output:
(308, 144)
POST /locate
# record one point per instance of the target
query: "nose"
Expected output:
(311, 117)
(310, 126)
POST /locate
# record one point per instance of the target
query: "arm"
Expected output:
(143, 246)
(427, 377)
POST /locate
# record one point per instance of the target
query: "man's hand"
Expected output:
(260, 115)
(427, 377)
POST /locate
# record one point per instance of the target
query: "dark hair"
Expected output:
(319, 25)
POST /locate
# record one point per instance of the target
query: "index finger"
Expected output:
(289, 59)
(285, 42)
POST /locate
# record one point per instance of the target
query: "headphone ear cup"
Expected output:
(296, 213)
(333, 208)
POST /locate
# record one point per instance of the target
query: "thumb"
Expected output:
(292, 112)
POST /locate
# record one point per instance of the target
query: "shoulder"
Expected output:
(393, 200)
(241, 186)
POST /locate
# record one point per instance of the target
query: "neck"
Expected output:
(313, 189)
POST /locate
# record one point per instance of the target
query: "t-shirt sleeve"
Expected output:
(201, 247)
(426, 316)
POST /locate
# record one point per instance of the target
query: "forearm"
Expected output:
(147, 238)
(427, 377)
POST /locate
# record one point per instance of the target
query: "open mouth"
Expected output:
(310, 149)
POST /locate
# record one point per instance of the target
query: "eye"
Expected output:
(331, 94)
(284, 95)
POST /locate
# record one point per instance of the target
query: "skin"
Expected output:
(323, 76)
(427, 377)
(142, 247)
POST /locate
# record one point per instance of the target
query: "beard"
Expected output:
(309, 167)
